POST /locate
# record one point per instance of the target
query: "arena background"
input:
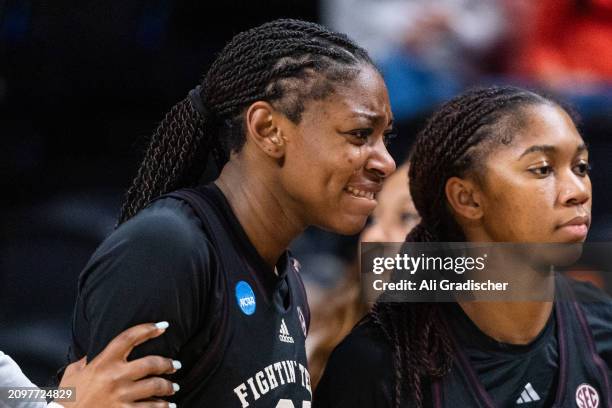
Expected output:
(83, 84)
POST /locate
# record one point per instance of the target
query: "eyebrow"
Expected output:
(549, 149)
(374, 117)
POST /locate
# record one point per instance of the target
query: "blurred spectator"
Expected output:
(395, 214)
(427, 49)
(434, 29)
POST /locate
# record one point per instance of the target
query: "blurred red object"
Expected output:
(588, 275)
(568, 43)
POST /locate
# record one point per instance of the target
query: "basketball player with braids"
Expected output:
(493, 165)
(296, 118)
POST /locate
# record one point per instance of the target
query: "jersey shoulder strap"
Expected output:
(209, 348)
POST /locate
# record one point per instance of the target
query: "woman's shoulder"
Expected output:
(166, 218)
(359, 371)
(596, 304)
(163, 238)
(592, 298)
(365, 336)
(597, 307)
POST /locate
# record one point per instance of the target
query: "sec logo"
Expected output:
(587, 396)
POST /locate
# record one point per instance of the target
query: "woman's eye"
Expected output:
(582, 168)
(390, 135)
(407, 217)
(361, 133)
(542, 171)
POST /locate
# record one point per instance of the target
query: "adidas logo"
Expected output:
(528, 395)
(284, 335)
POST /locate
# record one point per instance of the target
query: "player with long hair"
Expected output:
(296, 118)
(500, 164)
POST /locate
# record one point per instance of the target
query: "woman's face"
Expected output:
(336, 158)
(537, 189)
(395, 214)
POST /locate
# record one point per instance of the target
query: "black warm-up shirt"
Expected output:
(237, 328)
(360, 371)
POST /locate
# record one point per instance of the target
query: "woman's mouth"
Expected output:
(355, 192)
(576, 230)
(577, 227)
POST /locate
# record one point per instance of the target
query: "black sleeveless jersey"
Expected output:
(568, 365)
(238, 328)
(582, 378)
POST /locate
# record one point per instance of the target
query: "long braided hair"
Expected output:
(285, 62)
(453, 143)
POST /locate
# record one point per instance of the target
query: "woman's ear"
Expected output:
(264, 129)
(464, 197)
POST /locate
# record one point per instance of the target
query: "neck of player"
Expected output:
(509, 322)
(261, 210)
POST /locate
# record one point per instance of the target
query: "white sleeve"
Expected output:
(10, 373)
(11, 376)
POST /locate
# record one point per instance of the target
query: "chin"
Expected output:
(562, 254)
(347, 225)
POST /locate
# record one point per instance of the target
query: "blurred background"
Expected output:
(83, 84)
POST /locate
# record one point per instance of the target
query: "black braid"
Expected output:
(451, 144)
(285, 62)
(180, 132)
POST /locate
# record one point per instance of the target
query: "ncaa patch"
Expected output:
(245, 297)
(587, 396)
